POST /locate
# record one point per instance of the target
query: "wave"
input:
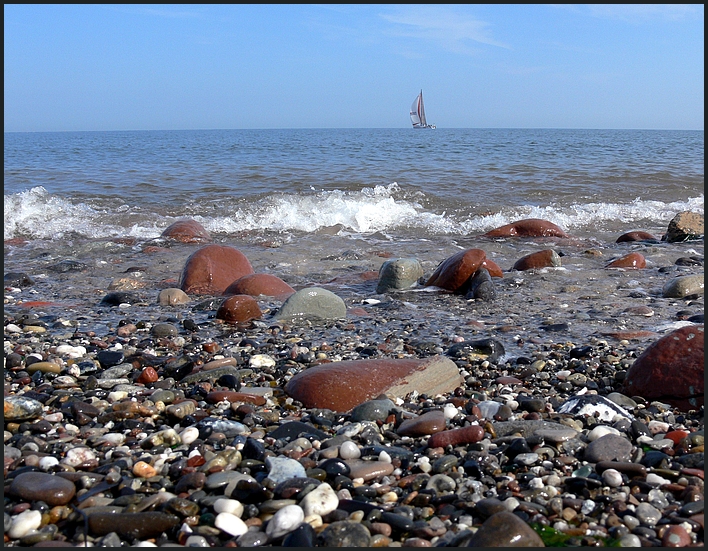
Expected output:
(37, 214)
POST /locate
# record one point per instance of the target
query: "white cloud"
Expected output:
(450, 28)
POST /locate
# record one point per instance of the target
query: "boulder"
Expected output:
(312, 303)
(683, 286)
(480, 286)
(540, 259)
(670, 370)
(635, 236)
(530, 227)
(239, 309)
(340, 386)
(172, 296)
(211, 269)
(260, 284)
(454, 272)
(187, 231)
(398, 273)
(685, 226)
(631, 261)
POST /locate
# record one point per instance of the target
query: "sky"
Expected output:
(71, 67)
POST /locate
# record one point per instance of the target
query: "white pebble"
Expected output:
(424, 464)
(488, 408)
(230, 524)
(349, 450)
(561, 525)
(653, 478)
(261, 360)
(536, 483)
(389, 497)
(47, 462)
(511, 503)
(600, 431)
(320, 501)
(143, 544)
(116, 438)
(450, 411)
(225, 505)
(658, 427)
(612, 478)
(71, 351)
(24, 523)
(587, 507)
(116, 396)
(77, 456)
(286, 520)
(630, 540)
(189, 435)
(384, 456)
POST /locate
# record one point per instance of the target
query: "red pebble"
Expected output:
(676, 436)
(675, 536)
(465, 435)
(149, 375)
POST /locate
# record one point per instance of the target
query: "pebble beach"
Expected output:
(132, 419)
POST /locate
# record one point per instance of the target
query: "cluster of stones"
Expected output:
(238, 445)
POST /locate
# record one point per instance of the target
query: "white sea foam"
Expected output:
(35, 213)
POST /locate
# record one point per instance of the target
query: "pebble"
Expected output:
(38, 486)
(320, 501)
(230, 523)
(285, 520)
(24, 523)
(180, 429)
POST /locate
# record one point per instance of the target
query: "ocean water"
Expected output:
(326, 207)
(398, 182)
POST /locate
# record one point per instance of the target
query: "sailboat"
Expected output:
(418, 113)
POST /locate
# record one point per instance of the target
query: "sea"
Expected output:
(312, 205)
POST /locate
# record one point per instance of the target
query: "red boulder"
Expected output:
(238, 309)
(260, 284)
(635, 236)
(211, 269)
(531, 227)
(187, 231)
(340, 386)
(670, 370)
(632, 261)
(453, 272)
(539, 259)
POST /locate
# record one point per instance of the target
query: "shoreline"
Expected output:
(420, 495)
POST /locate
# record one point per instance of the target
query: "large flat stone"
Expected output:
(340, 386)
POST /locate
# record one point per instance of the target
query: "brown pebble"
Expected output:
(428, 423)
(38, 486)
(453, 437)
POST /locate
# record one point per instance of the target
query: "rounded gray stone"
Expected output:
(399, 273)
(312, 303)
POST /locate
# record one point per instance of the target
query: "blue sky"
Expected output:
(163, 67)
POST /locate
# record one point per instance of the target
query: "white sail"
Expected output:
(415, 110)
(418, 113)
